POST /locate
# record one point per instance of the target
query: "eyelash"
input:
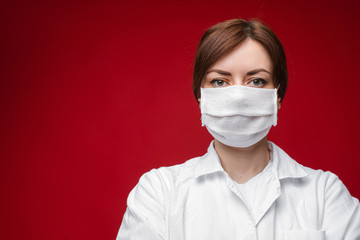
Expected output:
(263, 82)
(217, 80)
(214, 81)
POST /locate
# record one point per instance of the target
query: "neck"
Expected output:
(243, 163)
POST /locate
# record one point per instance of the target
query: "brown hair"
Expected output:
(223, 37)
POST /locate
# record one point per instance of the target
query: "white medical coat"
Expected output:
(197, 200)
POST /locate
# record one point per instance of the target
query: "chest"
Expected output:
(213, 208)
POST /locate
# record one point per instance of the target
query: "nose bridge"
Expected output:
(238, 80)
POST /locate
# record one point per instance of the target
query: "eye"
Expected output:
(218, 83)
(258, 82)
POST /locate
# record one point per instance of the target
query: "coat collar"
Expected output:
(208, 163)
(283, 165)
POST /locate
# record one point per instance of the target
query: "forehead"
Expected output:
(248, 55)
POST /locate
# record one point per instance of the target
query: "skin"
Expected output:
(249, 65)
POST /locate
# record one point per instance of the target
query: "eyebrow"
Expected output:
(252, 72)
(255, 71)
(220, 72)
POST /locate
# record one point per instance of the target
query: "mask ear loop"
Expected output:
(202, 99)
(276, 106)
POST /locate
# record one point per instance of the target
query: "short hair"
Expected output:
(223, 37)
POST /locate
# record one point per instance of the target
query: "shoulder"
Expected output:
(327, 187)
(325, 184)
(165, 178)
(334, 189)
(289, 168)
(329, 181)
(320, 176)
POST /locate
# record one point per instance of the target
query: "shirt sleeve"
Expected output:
(341, 212)
(144, 216)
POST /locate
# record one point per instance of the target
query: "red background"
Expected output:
(93, 94)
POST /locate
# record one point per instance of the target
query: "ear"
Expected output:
(279, 103)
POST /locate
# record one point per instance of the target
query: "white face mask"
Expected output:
(238, 116)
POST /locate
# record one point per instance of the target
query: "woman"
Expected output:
(244, 187)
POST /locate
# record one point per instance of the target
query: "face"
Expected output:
(248, 64)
